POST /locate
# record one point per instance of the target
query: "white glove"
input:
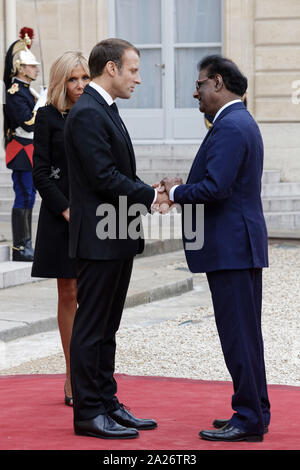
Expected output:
(42, 98)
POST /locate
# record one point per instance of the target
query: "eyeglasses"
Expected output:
(199, 83)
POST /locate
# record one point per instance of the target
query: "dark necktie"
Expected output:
(114, 108)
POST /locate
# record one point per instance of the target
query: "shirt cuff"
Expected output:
(155, 197)
(171, 193)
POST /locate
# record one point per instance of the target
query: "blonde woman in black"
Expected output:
(68, 76)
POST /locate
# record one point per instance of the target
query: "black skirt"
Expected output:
(51, 258)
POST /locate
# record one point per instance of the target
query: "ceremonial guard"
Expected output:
(21, 68)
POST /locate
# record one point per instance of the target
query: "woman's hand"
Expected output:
(66, 214)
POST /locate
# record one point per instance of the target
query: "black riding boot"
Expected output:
(28, 241)
(21, 230)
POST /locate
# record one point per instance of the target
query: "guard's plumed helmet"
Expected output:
(21, 55)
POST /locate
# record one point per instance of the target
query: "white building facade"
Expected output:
(261, 36)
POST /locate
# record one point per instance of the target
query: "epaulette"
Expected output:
(32, 120)
(13, 89)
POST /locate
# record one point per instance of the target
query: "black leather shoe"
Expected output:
(230, 433)
(122, 416)
(104, 427)
(220, 423)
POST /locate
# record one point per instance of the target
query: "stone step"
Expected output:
(154, 176)
(283, 204)
(4, 253)
(153, 279)
(183, 164)
(42, 344)
(156, 165)
(271, 176)
(164, 164)
(6, 205)
(152, 248)
(6, 191)
(286, 222)
(13, 273)
(166, 151)
(280, 189)
(18, 273)
(270, 179)
(5, 216)
(5, 177)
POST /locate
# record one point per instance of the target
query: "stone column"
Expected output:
(277, 83)
(239, 41)
(10, 22)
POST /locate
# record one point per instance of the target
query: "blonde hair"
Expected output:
(60, 73)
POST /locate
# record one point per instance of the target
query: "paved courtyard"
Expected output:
(177, 337)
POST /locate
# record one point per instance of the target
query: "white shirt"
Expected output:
(106, 96)
(226, 106)
(171, 194)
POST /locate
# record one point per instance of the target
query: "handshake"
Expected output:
(163, 204)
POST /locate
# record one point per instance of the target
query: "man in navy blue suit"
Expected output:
(226, 178)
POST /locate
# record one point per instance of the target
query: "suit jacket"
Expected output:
(101, 169)
(226, 178)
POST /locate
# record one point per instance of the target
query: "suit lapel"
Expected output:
(201, 146)
(118, 120)
(91, 91)
(227, 110)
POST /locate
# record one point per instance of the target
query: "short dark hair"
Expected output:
(108, 50)
(233, 78)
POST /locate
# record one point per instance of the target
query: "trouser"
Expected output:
(102, 289)
(24, 189)
(21, 217)
(237, 301)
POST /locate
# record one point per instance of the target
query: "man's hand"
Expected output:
(163, 203)
(168, 183)
(159, 187)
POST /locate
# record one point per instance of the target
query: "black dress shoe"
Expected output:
(104, 427)
(230, 433)
(220, 423)
(122, 416)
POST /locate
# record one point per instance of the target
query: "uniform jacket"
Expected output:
(18, 113)
(226, 178)
(101, 169)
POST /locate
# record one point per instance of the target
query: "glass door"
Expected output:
(139, 22)
(173, 36)
(197, 32)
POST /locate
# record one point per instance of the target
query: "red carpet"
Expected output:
(34, 417)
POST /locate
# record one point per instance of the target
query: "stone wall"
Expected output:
(262, 36)
(277, 70)
(63, 25)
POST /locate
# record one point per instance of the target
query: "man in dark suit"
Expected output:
(102, 169)
(226, 178)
